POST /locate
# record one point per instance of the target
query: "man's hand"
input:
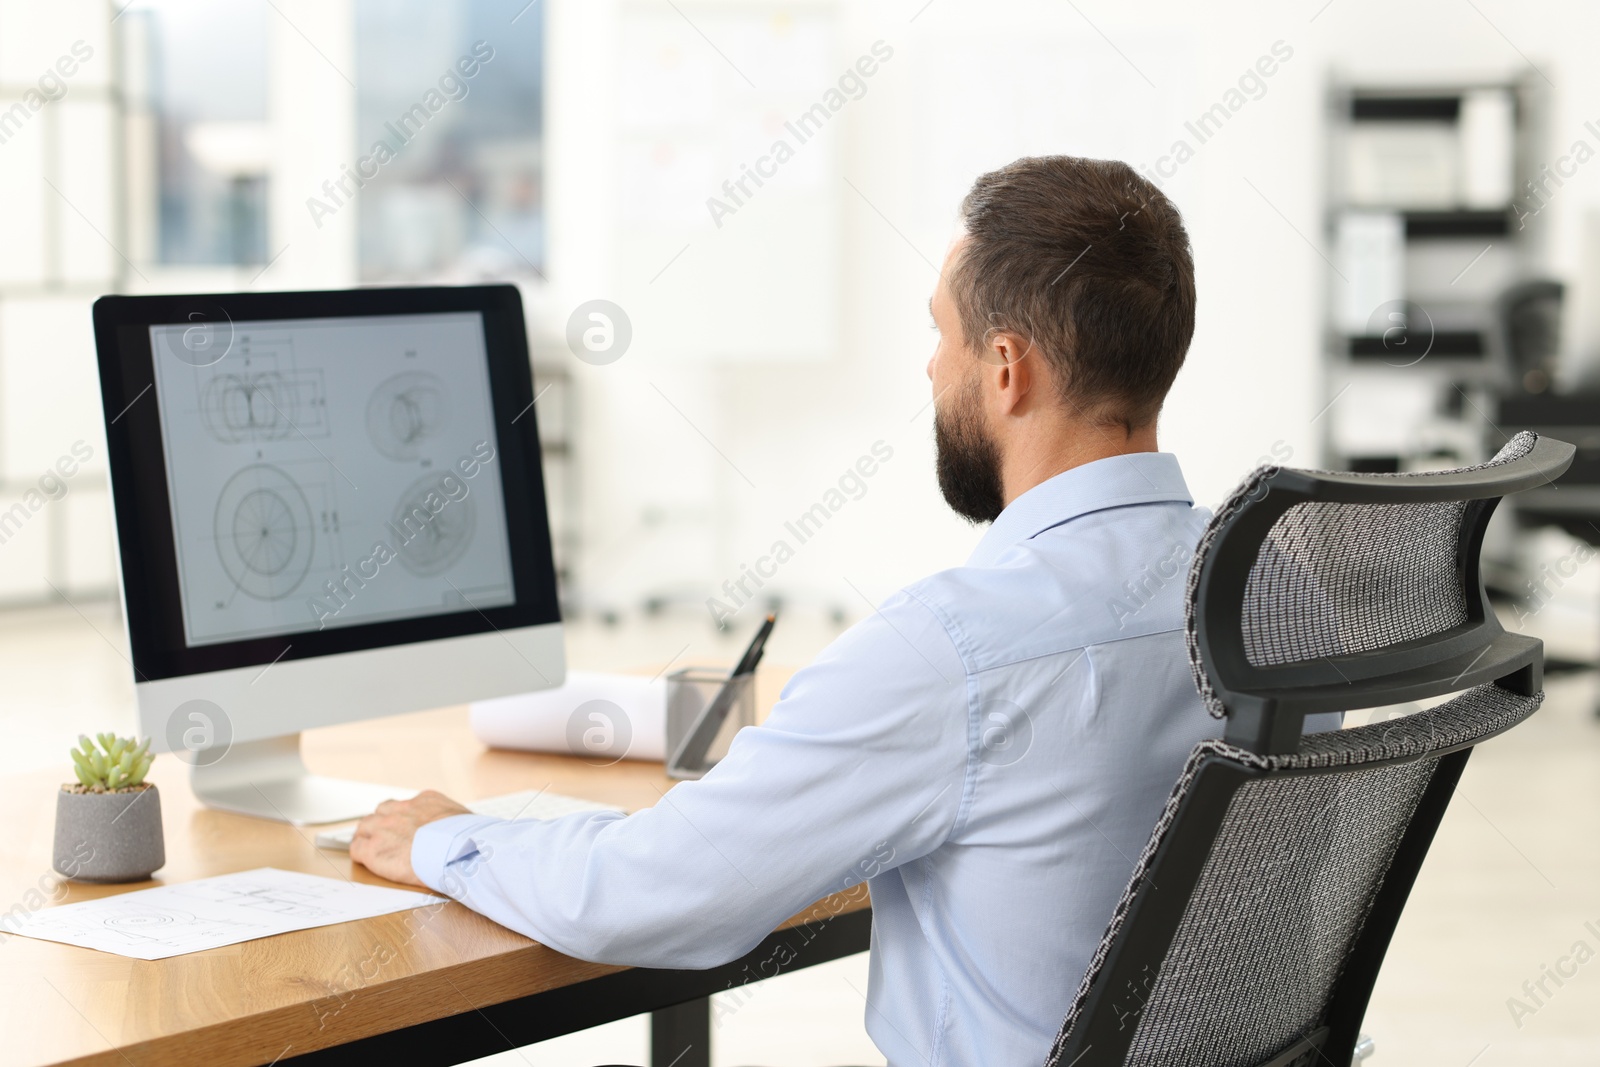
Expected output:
(383, 839)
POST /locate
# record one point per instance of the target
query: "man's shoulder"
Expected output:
(1088, 586)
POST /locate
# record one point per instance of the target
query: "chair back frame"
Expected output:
(1266, 706)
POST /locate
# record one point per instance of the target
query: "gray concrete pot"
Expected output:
(109, 837)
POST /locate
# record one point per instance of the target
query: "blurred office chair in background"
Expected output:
(1530, 333)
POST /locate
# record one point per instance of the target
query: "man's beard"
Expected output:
(966, 459)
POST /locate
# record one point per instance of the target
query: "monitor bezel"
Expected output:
(143, 517)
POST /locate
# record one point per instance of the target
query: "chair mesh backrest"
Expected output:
(1290, 880)
(1338, 578)
(1282, 898)
(1334, 578)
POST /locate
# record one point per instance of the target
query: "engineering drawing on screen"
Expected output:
(264, 532)
(262, 407)
(436, 540)
(405, 412)
(317, 455)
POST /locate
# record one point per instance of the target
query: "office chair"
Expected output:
(1256, 919)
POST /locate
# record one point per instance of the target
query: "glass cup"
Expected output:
(690, 692)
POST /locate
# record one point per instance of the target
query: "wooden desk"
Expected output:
(435, 985)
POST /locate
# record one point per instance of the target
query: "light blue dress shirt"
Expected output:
(989, 751)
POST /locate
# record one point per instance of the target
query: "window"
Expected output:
(195, 83)
(461, 191)
(455, 191)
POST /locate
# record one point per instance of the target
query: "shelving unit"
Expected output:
(1423, 183)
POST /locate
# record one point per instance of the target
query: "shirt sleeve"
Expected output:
(860, 767)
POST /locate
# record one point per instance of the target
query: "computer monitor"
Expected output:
(329, 507)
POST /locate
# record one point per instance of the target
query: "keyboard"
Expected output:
(531, 804)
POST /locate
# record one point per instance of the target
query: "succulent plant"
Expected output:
(117, 764)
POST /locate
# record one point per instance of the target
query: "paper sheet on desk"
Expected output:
(171, 920)
(611, 716)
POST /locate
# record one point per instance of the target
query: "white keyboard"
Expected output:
(532, 804)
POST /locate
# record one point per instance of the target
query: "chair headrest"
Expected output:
(1321, 591)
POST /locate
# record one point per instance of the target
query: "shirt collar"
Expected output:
(1117, 481)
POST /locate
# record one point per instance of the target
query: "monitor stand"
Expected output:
(269, 780)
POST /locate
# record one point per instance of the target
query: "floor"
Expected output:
(1496, 962)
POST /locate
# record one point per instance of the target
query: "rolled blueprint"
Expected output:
(598, 716)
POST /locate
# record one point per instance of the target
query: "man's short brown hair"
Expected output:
(1090, 263)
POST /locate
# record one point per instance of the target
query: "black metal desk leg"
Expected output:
(680, 1036)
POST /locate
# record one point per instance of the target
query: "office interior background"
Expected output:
(1379, 195)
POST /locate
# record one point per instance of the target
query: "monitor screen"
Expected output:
(331, 472)
(301, 475)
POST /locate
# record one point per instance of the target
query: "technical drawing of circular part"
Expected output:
(264, 532)
(434, 530)
(404, 412)
(260, 407)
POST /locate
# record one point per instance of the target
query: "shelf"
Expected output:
(1455, 223)
(1405, 108)
(1493, 222)
(1447, 344)
(1372, 464)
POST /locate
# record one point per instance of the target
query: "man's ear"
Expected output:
(1012, 370)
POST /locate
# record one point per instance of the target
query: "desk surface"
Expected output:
(255, 1002)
